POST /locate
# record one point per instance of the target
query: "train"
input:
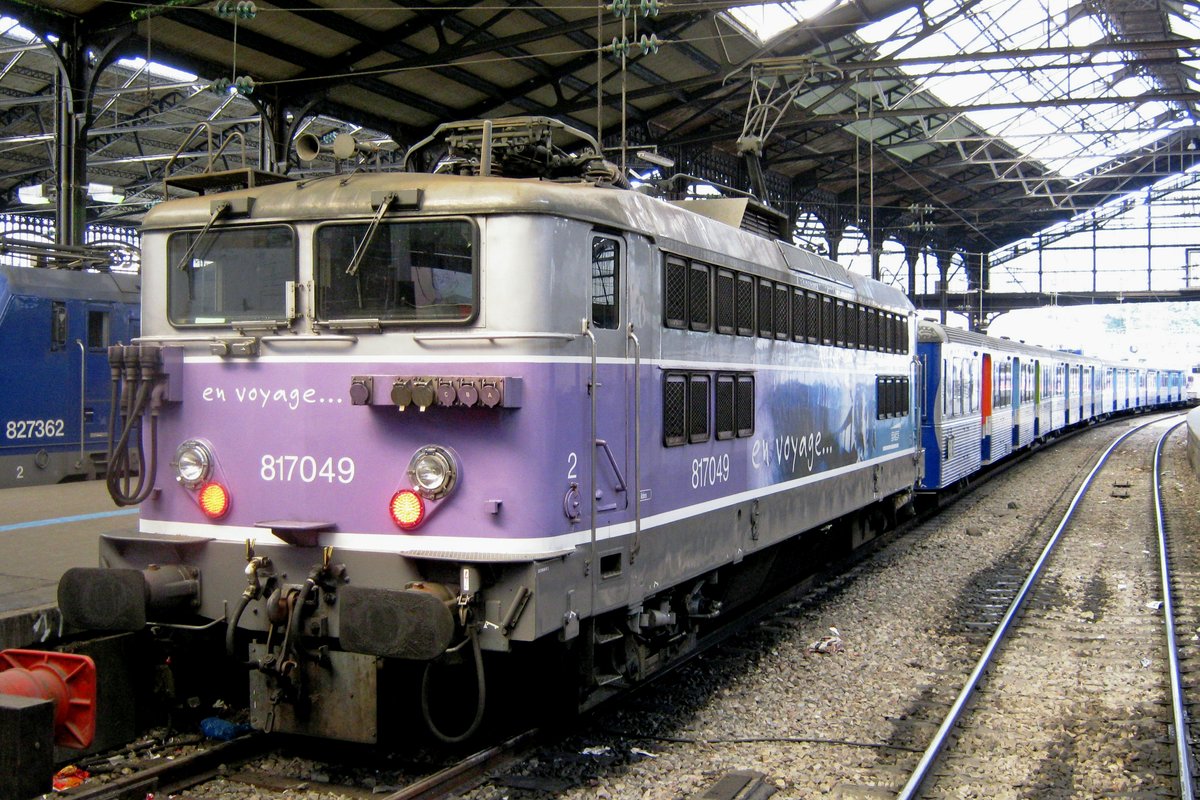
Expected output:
(403, 429)
(56, 326)
(984, 398)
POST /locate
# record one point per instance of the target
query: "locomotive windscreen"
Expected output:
(232, 275)
(411, 272)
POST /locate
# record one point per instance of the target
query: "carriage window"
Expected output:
(233, 274)
(970, 368)
(945, 390)
(960, 392)
(606, 259)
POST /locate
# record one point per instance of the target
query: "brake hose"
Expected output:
(480, 697)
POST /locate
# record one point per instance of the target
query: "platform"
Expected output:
(44, 531)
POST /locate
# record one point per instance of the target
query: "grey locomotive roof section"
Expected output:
(802, 260)
(349, 197)
(65, 284)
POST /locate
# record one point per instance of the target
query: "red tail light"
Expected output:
(407, 509)
(214, 500)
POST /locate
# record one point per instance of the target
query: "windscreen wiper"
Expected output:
(385, 202)
(219, 207)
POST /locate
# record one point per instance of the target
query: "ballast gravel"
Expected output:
(846, 723)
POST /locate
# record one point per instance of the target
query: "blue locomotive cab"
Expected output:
(55, 329)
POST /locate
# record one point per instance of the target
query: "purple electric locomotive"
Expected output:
(391, 416)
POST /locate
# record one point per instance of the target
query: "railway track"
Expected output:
(250, 767)
(1069, 658)
(249, 780)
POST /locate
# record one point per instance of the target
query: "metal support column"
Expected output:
(70, 131)
(944, 259)
(834, 239)
(74, 90)
(911, 253)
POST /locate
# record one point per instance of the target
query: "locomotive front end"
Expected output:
(329, 468)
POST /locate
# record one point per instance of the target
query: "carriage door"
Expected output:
(986, 405)
(94, 374)
(612, 437)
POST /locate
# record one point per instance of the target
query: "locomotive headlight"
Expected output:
(433, 471)
(192, 463)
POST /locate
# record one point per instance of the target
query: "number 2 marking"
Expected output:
(572, 463)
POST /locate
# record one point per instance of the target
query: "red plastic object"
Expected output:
(67, 679)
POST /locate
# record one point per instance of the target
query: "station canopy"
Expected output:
(976, 122)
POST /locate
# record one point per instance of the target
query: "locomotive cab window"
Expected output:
(231, 275)
(418, 272)
(58, 325)
(98, 337)
(606, 282)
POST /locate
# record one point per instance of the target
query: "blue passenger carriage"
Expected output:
(951, 423)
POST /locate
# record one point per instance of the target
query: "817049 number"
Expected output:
(306, 469)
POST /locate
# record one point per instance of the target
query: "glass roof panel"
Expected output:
(996, 91)
(771, 19)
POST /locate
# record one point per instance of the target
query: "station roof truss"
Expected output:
(970, 124)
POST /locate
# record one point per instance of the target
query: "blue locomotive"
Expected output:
(55, 329)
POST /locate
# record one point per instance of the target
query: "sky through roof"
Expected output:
(1070, 139)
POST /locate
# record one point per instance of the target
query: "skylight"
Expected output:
(1005, 94)
(771, 19)
(1069, 139)
(157, 70)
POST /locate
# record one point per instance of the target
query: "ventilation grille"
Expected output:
(674, 409)
(725, 303)
(675, 293)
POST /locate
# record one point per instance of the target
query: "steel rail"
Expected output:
(925, 765)
(1183, 750)
(468, 772)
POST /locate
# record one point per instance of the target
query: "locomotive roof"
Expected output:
(349, 197)
(64, 284)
